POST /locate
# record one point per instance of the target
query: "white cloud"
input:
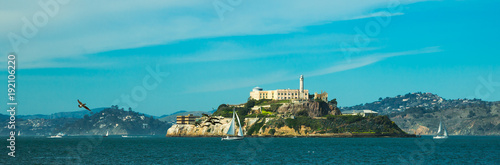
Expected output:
(280, 76)
(86, 27)
(303, 45)
(369, 59)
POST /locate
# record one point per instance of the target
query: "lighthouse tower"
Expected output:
(301, 90)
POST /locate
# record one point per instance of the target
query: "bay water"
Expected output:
(190, 150)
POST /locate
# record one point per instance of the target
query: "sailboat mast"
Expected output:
(240, 132)
(234, 129)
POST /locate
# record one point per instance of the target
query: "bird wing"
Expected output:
(86, 107)
(79, 102)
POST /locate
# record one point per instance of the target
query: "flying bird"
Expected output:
(83, 105)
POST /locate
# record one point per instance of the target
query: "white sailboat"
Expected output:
(445, 132)
(59, 135)
(232, 129)
(107, 134)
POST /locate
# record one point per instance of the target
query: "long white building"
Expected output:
(286, 94)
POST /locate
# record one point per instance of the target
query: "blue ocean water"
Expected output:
(176, 150)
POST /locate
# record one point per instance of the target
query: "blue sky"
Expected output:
(357, 51)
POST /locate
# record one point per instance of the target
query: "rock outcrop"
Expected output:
(312, 108)
(217, 130)
(301, 127)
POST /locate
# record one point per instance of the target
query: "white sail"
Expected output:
(445, 131)
(231, 126)
(240, 133)
(439, 129)
(107, 133)
(232, 130)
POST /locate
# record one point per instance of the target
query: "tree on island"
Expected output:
(333, 101)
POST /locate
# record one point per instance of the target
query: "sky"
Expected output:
(159, 57)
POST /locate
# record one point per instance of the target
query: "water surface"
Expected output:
(176, 150)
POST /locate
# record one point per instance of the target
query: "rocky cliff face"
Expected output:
(468, 119)
(312, 108)
(341, 126)
(219, 130)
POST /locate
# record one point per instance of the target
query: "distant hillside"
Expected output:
(400, 103)
(40, 127)
(173, 117)
(472, 118)
(117, 122)
(421, 112)
(74, 114)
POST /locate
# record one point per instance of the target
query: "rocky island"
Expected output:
(288, 113)
(287, 118)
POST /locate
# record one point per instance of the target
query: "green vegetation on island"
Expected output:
(272, 115)
(340, 124)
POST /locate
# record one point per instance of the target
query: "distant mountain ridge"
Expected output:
(400, 103)
(74, 114)
(466, 118)
(117, 122)
(81, 113)
(421, 112)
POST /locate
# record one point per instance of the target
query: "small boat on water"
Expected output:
(441, 129)
(107, 134)
(59, 135)
(231, 132)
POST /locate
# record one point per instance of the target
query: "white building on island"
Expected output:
(364, 113)
(287, 94)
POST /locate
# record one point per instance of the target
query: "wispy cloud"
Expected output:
(82, 27)
(298, 45)
(376, 14)
(369, 59)
(280, 76)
